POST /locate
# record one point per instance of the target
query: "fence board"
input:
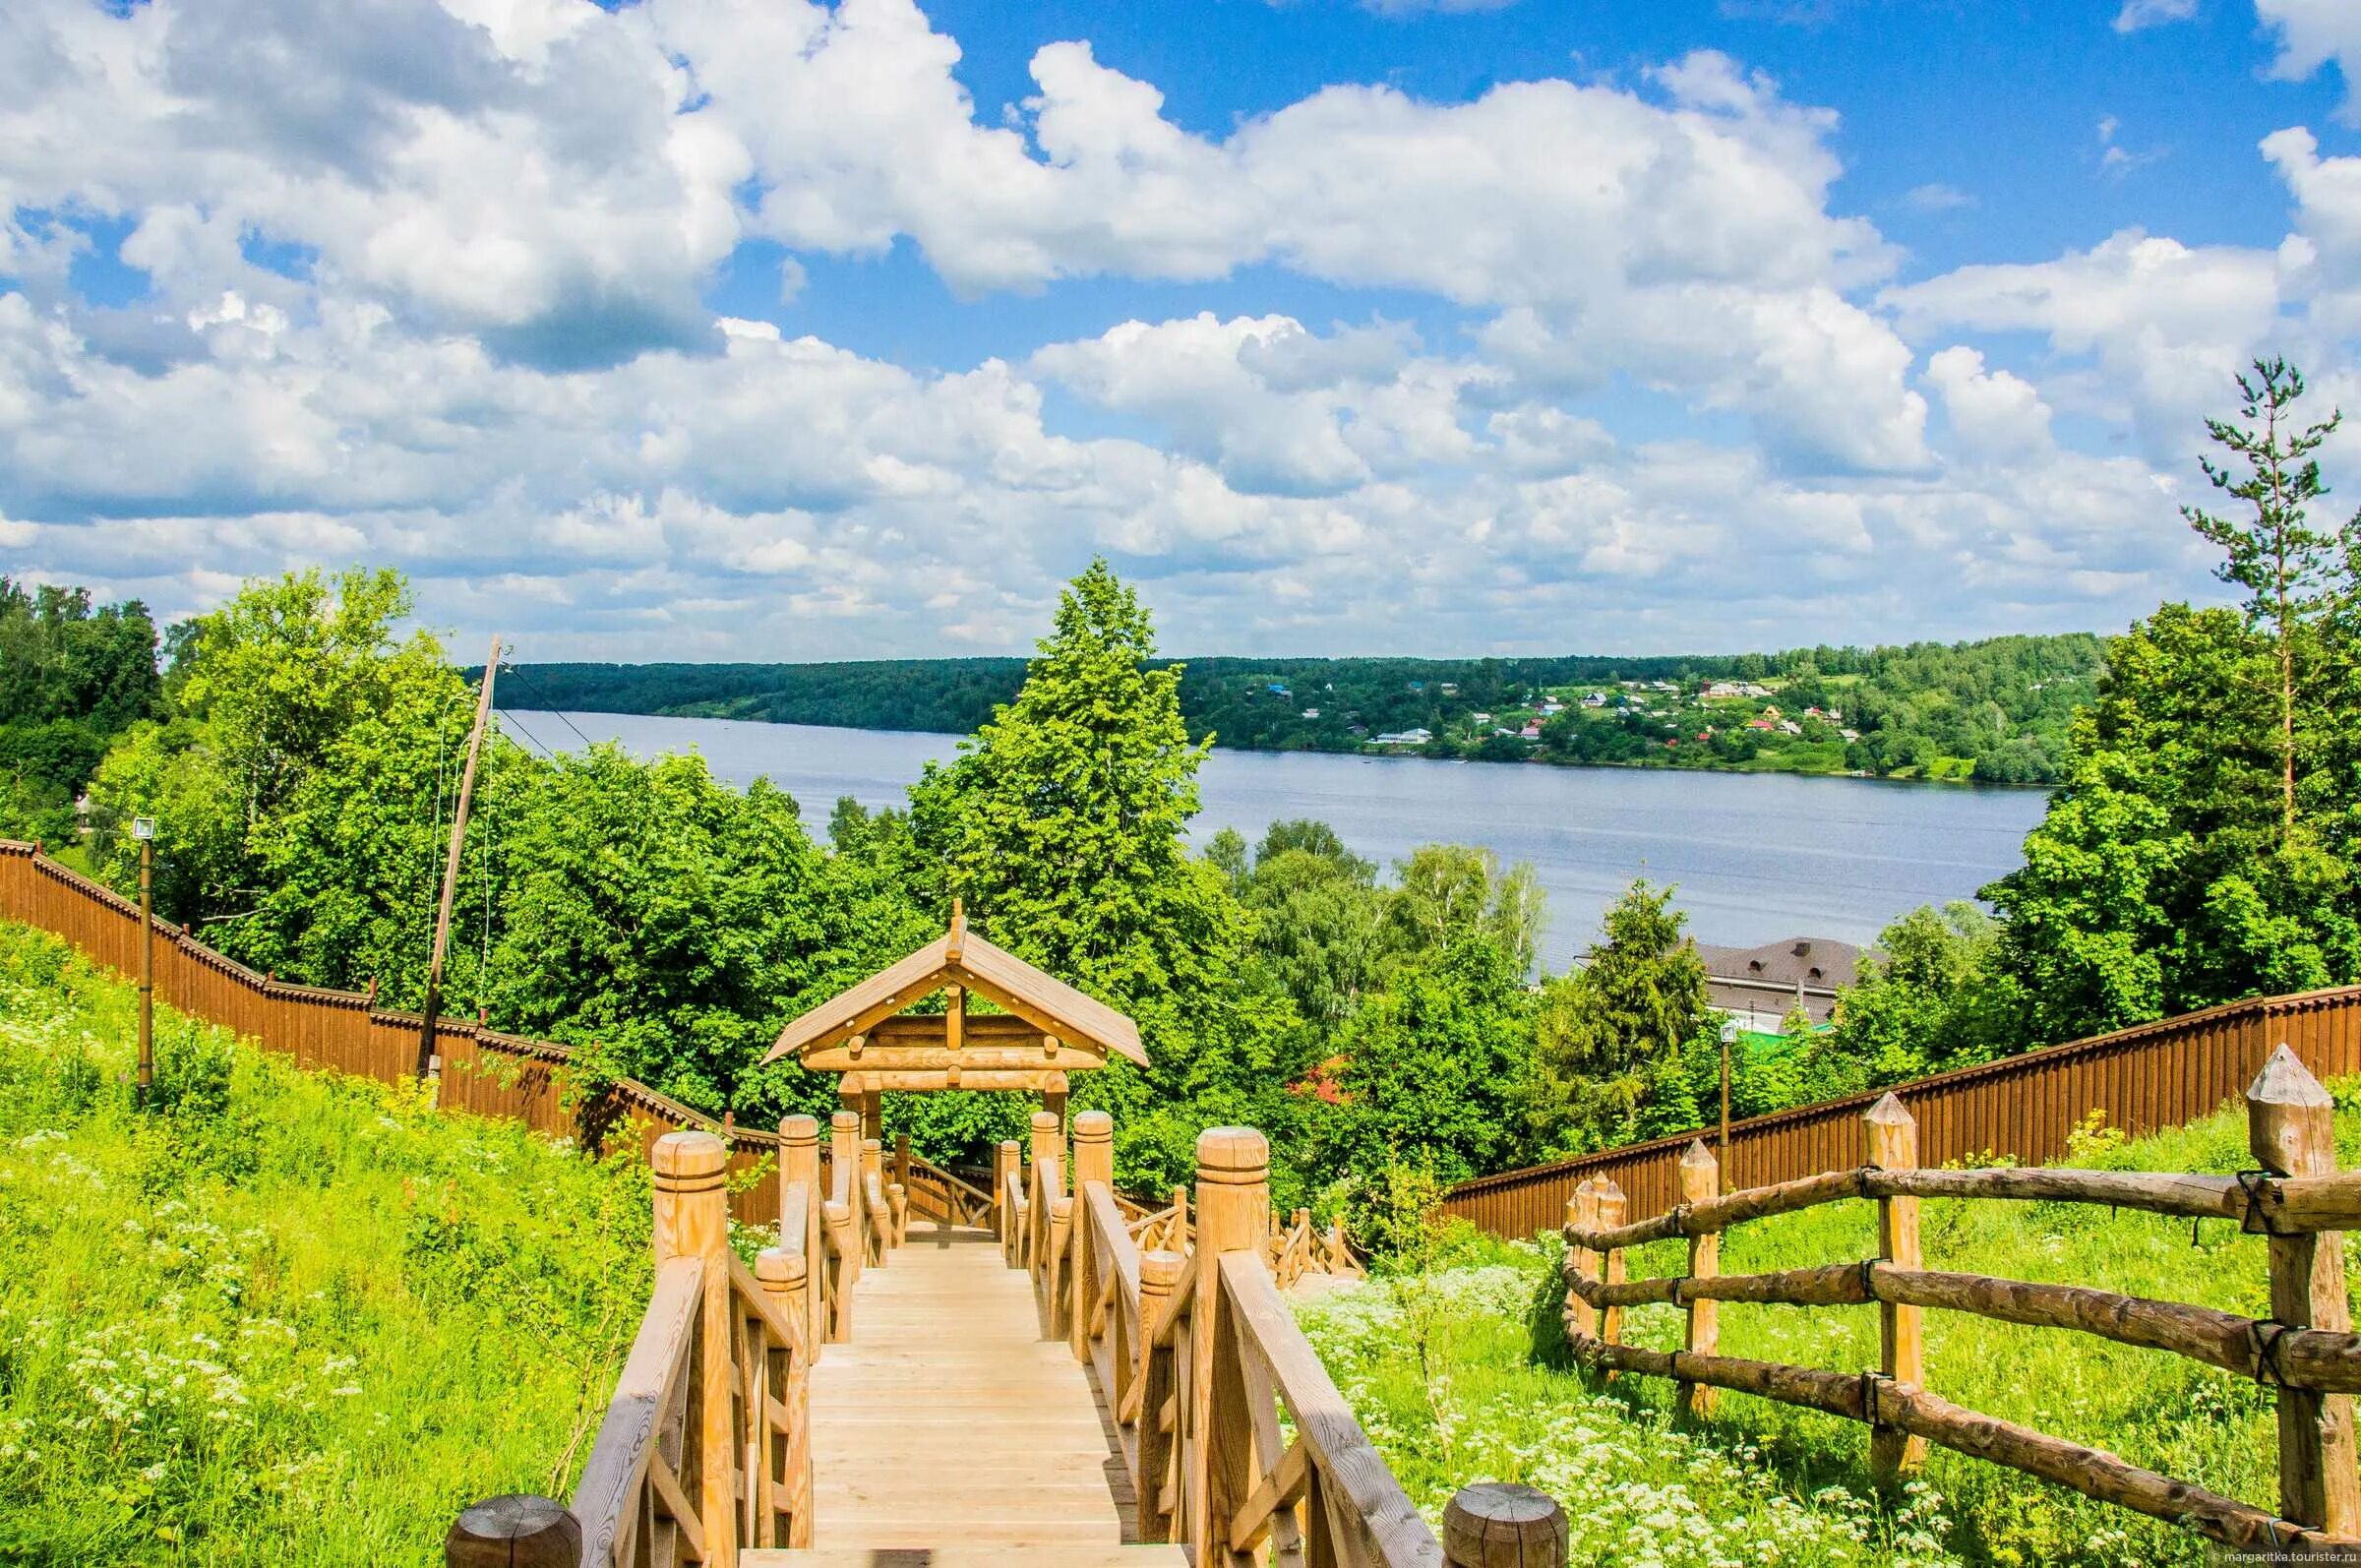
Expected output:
(484, 1073)
(2146, 1077)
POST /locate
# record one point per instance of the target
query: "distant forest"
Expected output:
(1994, 711)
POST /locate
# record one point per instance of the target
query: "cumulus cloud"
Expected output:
(2136, 15)
(2313, 34)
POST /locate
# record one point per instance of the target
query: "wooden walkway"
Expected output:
(950, 1431)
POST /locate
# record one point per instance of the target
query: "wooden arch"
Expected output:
(1046, 1030)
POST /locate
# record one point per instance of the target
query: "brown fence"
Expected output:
(483, 1072)
(2153, 1075)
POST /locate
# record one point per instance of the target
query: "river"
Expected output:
(1756, 856)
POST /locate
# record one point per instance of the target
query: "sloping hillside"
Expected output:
(1769, 1483)
(287, 1318)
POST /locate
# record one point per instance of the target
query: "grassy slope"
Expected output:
(294, 1318)
(2155, 1410)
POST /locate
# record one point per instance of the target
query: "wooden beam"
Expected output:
(920, 1082)
(879, 1056)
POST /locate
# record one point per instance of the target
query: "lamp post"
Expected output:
(143, 828)
(1730, 1037)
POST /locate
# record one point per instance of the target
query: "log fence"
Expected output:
(2020, 1108)
(2306, 1348)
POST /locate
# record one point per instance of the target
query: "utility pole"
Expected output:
(143, 828)
(1730, 1037)
(450, 864)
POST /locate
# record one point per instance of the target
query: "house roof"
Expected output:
(960, 957)
(1816, 963)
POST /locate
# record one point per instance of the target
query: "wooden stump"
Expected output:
(513, 1532)
(1499, 1525)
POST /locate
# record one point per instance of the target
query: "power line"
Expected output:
(527, 734)
(560, 713)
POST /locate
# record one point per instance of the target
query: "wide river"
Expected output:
(1756, 856)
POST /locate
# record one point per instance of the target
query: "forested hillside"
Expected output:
(1994, 711)
(73, 676)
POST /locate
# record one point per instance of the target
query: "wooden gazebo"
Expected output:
(1045, 1028)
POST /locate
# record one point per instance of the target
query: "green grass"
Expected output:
(290, 1318)
(1500, 1412)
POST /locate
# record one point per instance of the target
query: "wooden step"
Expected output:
(967, 1556)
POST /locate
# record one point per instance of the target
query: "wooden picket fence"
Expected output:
(481, 1069)
(2153, 1075)
(2305, 1349)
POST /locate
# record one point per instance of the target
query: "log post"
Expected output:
(872, 1108)
(1006, 1161)
(513, 1532)
(1500, 1525)
(873, 1171)
(1889, 1142)
(798, 1166)
(844, 1170)
(901, 1158)
(1700, 1183)
(691, 1220)
(1611, 1205)
(1045, 1185)
(1159, 1273)
(1094, 1161)
(1582, 1209)
(1178, 1242)
(897, 1203)
(2291, 1132)
(1234, 1203)
(783, 1277)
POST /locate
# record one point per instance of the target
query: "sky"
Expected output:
(765, 330)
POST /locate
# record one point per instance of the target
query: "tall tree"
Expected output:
(2277, 556)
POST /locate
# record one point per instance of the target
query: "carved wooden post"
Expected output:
(897, 1203)
(872, 1196)
(1700, 1183)
(2290, 1133)
(1045, 1186)
(1500, 1525)
(1006, 1161)
(1582, 1211)
(1178, 1242)
(1159, 1273)
(1610, 1214)
(1094, 1161)
(798, 1166)
(788, 1455)
(513, 1532)
(844, 1221)
(872, 1108)
(1233, 1202)
(1890, 1141)
(691, 1220)
(901, 1158)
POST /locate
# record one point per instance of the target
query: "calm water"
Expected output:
(1756, 856)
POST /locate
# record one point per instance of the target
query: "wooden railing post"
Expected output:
(788, 1452)
(1094, 1161)
(1007, 1160)
(1159, 1273)
(1582, 1210)
(691, 1220)
(1177, 1241)
(1889, 1142)
(1500, 1525)
(1233, 1202)
(513, 1532)
(798, 1166)
(873, 1193)
(1043, 1188)
(1700, 1183)
(901, 1158)
(2291, 1132)
(1611, 1266)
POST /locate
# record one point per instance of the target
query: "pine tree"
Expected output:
(2277, 557)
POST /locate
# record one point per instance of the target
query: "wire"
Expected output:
(560, 713)
(527, 734)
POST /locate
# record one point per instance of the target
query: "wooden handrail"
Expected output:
(616, 1472)
(2306, 1348)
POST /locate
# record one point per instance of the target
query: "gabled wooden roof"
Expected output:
(960, 957)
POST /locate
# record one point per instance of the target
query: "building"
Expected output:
(1760, 986)
(1418, 737)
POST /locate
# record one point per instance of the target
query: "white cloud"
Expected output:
(2139, 14)
(2312, 33)
(1996, 415)
(1937, 198)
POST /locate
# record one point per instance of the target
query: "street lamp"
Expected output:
(143, 828)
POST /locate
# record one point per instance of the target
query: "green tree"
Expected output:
(1935, 996)
(2279, 558)
(1609, 1041)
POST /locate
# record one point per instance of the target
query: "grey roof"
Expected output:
(1817, 963)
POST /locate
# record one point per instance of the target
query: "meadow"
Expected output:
(1461, 1373)
(285, 1317)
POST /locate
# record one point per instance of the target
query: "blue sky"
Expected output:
(759, 329)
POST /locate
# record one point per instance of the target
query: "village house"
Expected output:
(1760, 986)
